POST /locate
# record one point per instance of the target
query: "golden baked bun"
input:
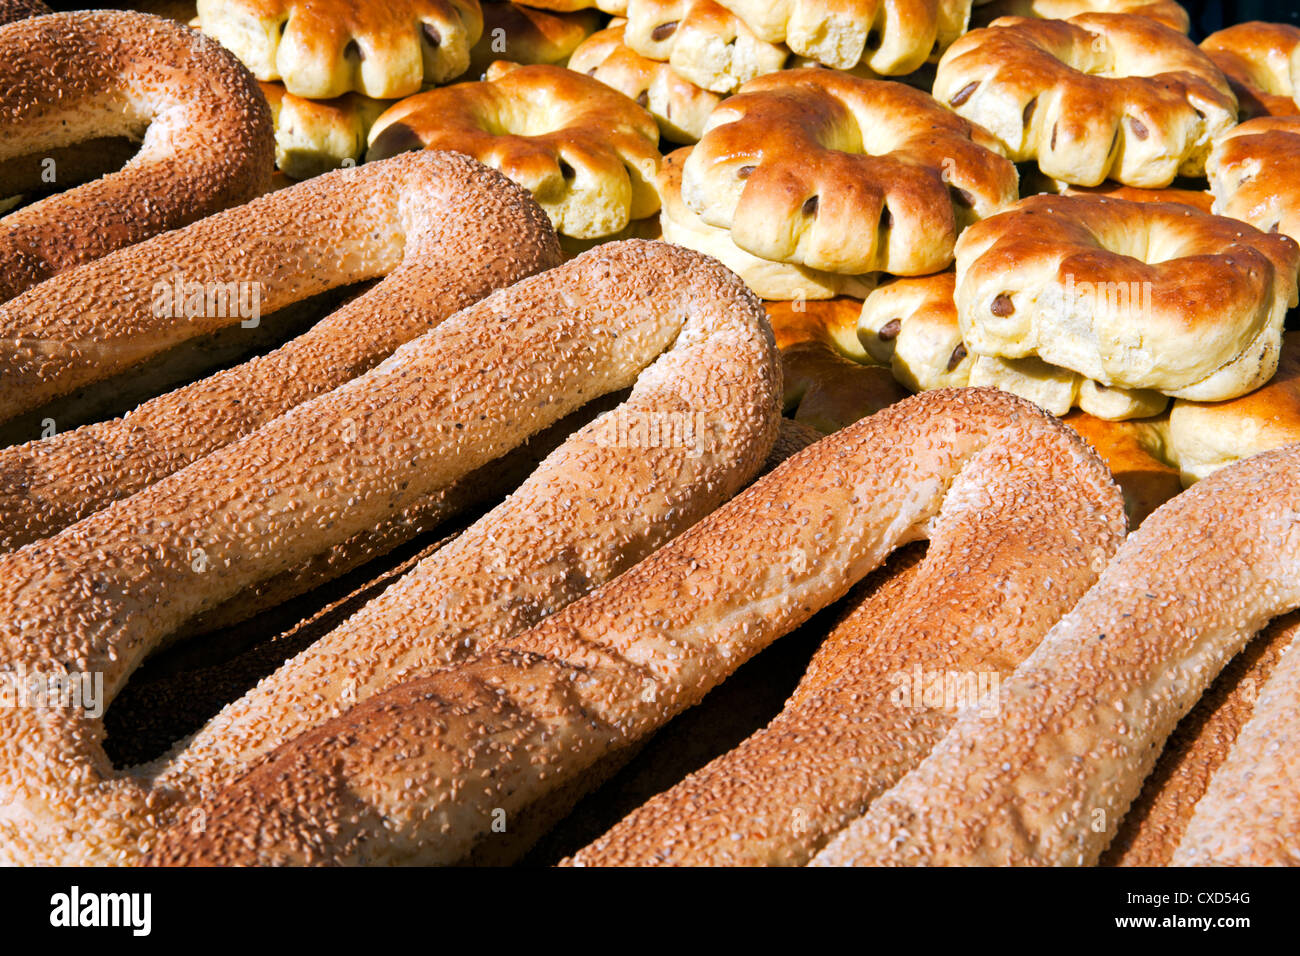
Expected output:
(1099, 95)
(522, 34)
(679, 106)
(1163, 11)
(1204, 437)
(315, 136)
(829, 171)
(325, 48)
(911, 326)
(1130, 295)
(830, 322)
(588, 154)
(1254, 172)
(767, 279)
(1262, 64)
(703, 41)
(890, 36)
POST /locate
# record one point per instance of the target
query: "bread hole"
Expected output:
(889, 331)
(874, 39)
(1002, 305)
(353, 50)
(965, 93)
(887, 217)
(566, 170)
(643, 98)
(810, 206)
(960, 197)
(431, 34)
(955, 359)
(394, 139)
(664, 31)
(1029, 111)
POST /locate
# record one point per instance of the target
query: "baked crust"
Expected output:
(768, 280)
(587, 153)
(1254, 172)
(889, 36)
(841, 174)
(1162, 11)
(315, 136)
(325, 48)
(1131, 295)
(703, 41)
(1262, 64)
(11, 10)
(1099, 95)
(521, 34)
(679, 106)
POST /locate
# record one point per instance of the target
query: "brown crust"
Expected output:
(1167, 12)
(326, 48)
(591, 165)
(1260, 61)
(1084, 720)
(521, 34)
(1209, 322)
(442, 405)
(867, 713)
(457, 749)
(679, 107)
(11, 10)
(206, 131)
(1098, 95)
(1253, 174)
(843, 174)
(463, 232)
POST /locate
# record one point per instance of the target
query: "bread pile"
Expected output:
(592, 334)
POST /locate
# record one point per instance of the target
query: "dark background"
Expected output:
(1211, 15)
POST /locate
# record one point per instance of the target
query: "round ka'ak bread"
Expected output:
(702, 41)
(325, 48)
(1262, 64)
(1138, 296)
(1254, 172)
(1098, 95)
(679, 106)
(844, 175)
(587, 153)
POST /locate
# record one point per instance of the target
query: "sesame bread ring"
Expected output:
(826, 170)
(1262, 64)
(1099, 95)
(315, 136)
(867, 712)
(679, 106)
(1144, 296)
(205, 135)
(1206, 436)
(522, 34)
(1084, 718)
(702, 41)
(587, 153)
(321, 49)
(430, 208)
(1254, 172)
(890, 36)
(778, 281)
(534, 713)
(1167, 12)
(1197, 748)
(680, 330)
(11, 10)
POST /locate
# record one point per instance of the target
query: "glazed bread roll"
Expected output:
(1262, 64)
(1084, 718)
(1098, 95)
(113, 586)
(1252, 172)
(420, 772)
(587, 153)
(321, 49)
(204, 133)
